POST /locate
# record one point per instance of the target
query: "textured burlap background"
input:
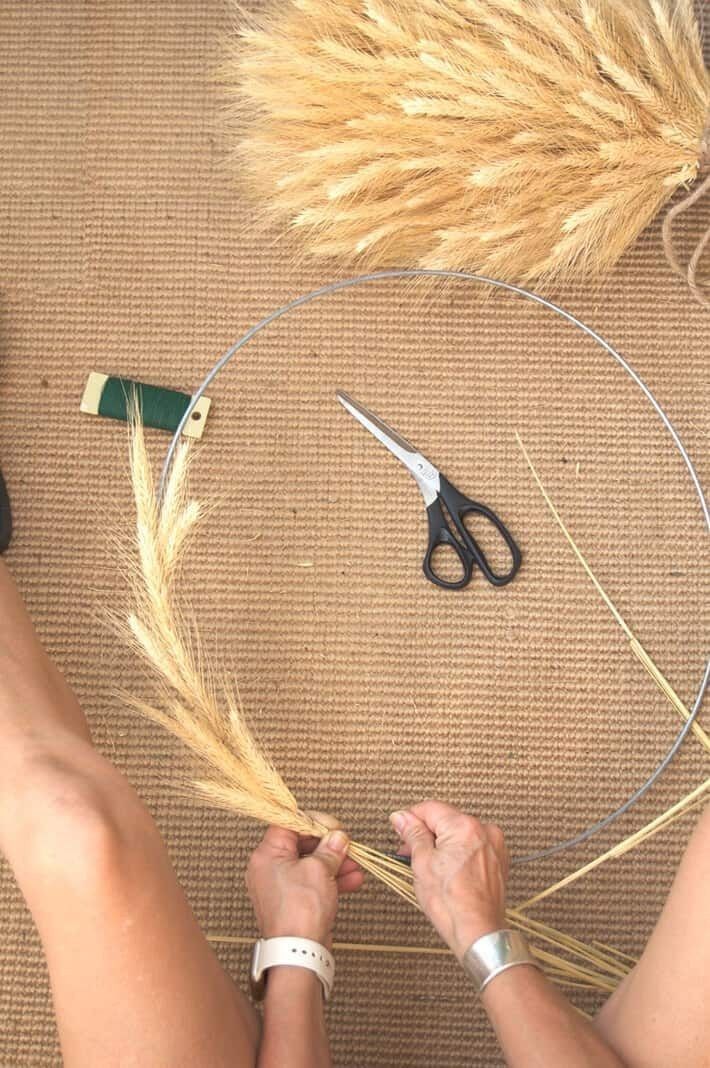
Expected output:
(126, 248)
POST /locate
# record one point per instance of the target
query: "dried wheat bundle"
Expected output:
(525, 139)
(209, 719)
(211, 722)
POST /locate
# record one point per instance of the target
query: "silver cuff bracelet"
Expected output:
(495, 953)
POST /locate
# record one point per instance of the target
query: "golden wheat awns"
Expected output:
(208, 718)
(524, 139)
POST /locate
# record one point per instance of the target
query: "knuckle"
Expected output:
(427, 810)
(257, 862)
(470, 830)
(495, 834)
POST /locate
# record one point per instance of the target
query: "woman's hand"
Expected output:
(294, 883)
(460, 868)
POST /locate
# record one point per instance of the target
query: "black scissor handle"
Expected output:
(439, 534)
(459, 506)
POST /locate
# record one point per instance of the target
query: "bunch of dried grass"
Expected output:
(526, 139)
(209, 719)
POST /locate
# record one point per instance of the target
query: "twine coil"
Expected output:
(699, 286)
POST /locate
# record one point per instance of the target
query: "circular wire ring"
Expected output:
(347, 283)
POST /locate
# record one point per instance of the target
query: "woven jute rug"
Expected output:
(127, 247)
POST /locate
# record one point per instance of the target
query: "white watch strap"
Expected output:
(495, 953)
(293, 952)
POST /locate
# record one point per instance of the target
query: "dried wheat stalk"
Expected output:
(210, 720)
(634, 644)
(524, 139)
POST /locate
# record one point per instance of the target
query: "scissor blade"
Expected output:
(384, 433)
(424, 472)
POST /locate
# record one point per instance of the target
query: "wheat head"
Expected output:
(526, 139)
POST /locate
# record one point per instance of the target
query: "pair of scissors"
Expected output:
(439, 493)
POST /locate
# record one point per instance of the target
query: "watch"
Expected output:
(290, 952)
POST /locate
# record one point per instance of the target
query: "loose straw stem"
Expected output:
(432, 951)
(612, 951)
(594, 956)
(560, 971)
(691, 801)
(636, 648)
(354, 947)
(667, 690)
(601, 969)
(561, 978)
(392, 873)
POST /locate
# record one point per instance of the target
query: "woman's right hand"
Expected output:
(460, 868)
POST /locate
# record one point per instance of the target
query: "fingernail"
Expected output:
(337, 841)
(398, 820)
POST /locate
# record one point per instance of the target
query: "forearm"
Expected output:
(538, 1028)
(294, 1034)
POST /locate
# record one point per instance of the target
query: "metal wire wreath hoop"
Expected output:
(348, 283)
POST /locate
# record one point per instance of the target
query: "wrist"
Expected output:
(495, 954)
(293, 984)
(291, 957)
(295, 927)
(468, 930)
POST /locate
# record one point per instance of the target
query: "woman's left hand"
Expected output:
(294, 883)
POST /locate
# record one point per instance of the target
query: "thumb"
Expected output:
(414, 832)
(331, 851)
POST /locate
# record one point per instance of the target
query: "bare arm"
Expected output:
(659, 1015)
(460, 868)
